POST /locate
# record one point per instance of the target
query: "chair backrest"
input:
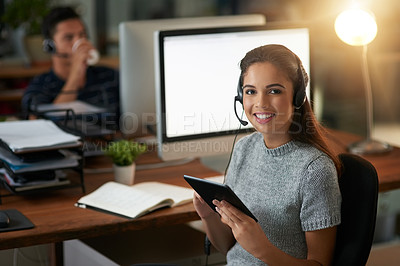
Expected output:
(359, 187)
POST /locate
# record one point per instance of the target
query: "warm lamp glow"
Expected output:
(356, 27)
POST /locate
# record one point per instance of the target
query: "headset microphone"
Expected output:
(237, 99)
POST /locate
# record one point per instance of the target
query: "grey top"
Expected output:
(290, 189)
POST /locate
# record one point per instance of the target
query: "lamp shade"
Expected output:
(356, 26)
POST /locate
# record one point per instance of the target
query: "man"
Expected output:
(71, 78)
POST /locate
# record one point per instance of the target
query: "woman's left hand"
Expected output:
(247, 232)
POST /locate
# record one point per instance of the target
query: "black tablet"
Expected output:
(210, 190)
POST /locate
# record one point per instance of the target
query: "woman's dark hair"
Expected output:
(57, 15)
(304, 127)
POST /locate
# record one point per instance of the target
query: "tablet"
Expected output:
(210, 190)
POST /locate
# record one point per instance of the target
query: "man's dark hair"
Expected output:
(56, 15)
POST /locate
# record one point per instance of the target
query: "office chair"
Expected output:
(359, 187)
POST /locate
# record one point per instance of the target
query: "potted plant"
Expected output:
(25, 18)
(123, 154)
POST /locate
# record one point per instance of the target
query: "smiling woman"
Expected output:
(286, 177)
(284, 75)
(268, 102)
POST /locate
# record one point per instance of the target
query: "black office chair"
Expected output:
(359, 187)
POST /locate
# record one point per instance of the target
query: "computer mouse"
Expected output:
(4, 220)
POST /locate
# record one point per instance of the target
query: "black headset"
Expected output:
(298, 99)
(49, 46)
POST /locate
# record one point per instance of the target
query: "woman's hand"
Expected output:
(249, 234)
(202, 208)
(219, 234)
(245, 229)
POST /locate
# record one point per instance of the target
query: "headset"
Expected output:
(298, 99)
(49, 46)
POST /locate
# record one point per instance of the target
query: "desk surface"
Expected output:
(57, 219)
(387, 164)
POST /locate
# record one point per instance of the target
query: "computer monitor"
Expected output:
(197, 76)
(137, 88)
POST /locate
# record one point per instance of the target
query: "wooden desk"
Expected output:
(57, 219)
(387, 164)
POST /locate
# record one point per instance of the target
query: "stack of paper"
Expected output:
(78, 107)
(30, 135)
(32, 151)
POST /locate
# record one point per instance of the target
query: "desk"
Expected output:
(57, 219)
(387, 165)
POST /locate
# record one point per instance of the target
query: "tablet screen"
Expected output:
(210, 190)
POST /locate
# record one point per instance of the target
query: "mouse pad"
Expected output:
(18, 221)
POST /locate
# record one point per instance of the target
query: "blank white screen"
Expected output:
(201, 74)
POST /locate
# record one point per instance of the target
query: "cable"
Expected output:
(15, 256)
(233, 146)
(207, 243)
(207, 248)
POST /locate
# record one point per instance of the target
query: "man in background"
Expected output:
(71, 77)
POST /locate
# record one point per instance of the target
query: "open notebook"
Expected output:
(137, 200)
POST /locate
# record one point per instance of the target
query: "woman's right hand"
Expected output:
(202, 208)
(219, 233)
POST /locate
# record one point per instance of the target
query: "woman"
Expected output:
(284, 173)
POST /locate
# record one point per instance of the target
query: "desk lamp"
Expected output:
(357, 27)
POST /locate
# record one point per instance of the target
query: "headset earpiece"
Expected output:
(300, 95)
(49, 46)
(239, 96)
(299, 99)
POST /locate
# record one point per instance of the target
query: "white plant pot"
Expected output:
(34, 48)
(124, 174)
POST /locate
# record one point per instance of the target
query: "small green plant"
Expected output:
(27, 13)
(124, 152)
